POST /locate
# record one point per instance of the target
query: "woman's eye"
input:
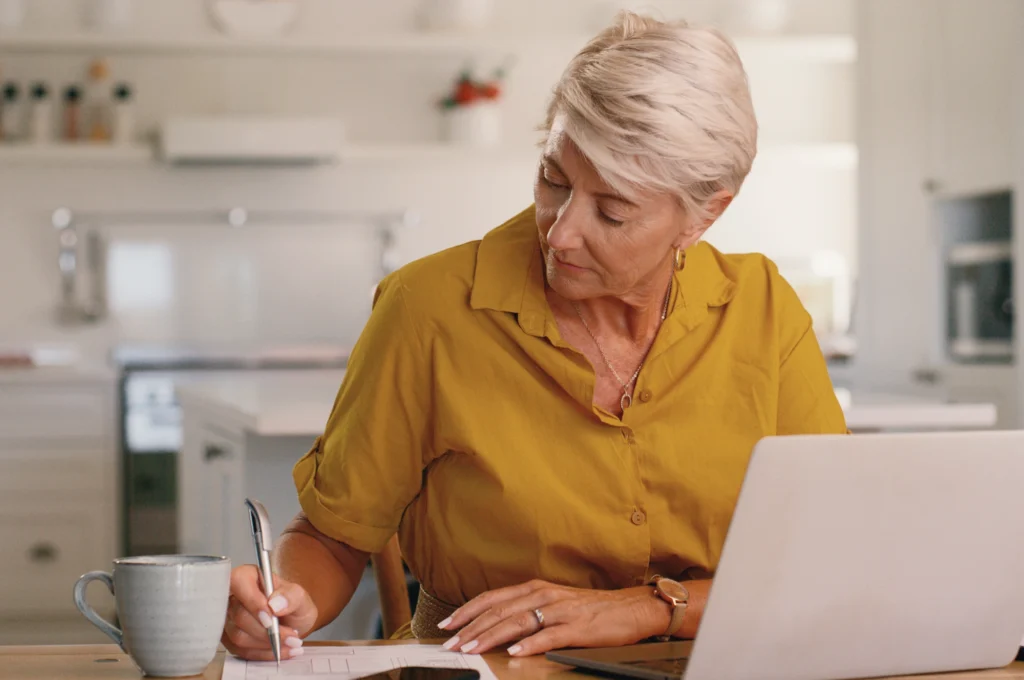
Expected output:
(610, 220)
(552, 183)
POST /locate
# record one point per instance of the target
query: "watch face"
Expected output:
(674, 590)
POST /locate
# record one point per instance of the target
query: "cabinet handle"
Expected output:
(214, 452)
(43, 553)
(927, 376)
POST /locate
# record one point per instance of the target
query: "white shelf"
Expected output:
(829, 155)
(432, 152)
(74, 153)
(410, 43)
(838, 48)
(982, 252)
(828, 48)
(837, 155)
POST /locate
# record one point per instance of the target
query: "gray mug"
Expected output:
(171, 609)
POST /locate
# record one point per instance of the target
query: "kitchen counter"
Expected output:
(866, 411)
(57, 375)
(265, 403)
(287, 403)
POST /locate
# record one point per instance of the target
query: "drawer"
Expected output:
(77, 473)
(44, 553)
(55, 412)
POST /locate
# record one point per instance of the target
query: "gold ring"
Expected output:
(540, 617)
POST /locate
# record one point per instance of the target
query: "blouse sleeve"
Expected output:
(367, 467)
(807, 400)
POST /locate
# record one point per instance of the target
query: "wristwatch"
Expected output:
(678, 596)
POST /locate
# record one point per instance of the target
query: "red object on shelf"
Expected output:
(466, 92)
(490, 91)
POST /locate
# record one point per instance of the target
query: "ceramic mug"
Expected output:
(171, 609)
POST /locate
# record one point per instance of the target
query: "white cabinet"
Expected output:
(59, 490)
(211, 472)
(935, 118)
(972, 48)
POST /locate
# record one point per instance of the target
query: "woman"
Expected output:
(552, 417)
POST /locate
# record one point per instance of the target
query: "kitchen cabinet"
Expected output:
(972, 54)
(243, 433)
(59, 486)
(935, 119)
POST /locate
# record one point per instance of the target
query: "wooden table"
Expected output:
(108, 662)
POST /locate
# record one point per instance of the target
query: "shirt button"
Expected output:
(646, 396)
(638, 518)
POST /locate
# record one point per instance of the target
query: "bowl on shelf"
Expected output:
(106, 15)
(455, 15)
(254, 18)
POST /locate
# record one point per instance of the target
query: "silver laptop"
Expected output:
(859, 556)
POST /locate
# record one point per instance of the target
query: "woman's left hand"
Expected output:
(573, 617)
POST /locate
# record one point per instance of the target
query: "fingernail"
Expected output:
(515, 649)
(469, 647)
(444, 624)
(265, 620)
(451, 643)
(296, 652)
(293, 642)
(278, 603)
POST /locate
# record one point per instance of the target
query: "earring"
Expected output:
(680, 259)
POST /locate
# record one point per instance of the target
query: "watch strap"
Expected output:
(678, 608)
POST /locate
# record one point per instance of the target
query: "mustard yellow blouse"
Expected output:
(466, 423)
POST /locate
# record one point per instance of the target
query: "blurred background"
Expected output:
(197, 198)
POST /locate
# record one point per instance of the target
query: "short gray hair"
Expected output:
(663, 106)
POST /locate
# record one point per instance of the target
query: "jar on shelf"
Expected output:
(41, 115)
(472, 110)
(476, 125)
(10, 113)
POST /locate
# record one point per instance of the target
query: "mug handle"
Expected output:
(111, 631)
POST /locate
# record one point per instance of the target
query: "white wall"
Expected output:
(385, 99)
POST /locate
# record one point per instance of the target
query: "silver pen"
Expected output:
(262, 538)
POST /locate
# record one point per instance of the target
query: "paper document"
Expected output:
(348, 663)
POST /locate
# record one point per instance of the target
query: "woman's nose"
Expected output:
(565, 233)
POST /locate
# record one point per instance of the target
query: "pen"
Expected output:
(261, 537)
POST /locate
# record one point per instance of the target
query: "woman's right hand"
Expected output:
(245, 630)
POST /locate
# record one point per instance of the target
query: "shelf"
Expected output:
(74, 153)
(966, 254)
(837, 155)
(828, 48)
(411, 43)
(828, 155)
(433, 152)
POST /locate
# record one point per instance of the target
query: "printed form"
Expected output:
(349, 663)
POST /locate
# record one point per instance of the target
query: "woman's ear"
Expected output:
(713, 209)
(716, 205)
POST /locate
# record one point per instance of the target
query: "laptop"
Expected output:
(855, 557)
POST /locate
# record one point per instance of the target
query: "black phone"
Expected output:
(426, 673)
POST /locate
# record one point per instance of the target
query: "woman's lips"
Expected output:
(568, 265)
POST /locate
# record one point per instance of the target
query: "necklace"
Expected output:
(627, 399)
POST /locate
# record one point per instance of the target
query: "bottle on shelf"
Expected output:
(41, 116)
(124, 114)
(10, 113)
(97, 103)
(72, 120)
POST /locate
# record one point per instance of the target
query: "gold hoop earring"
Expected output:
(680, 259)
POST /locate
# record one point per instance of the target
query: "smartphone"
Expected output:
(425, 673)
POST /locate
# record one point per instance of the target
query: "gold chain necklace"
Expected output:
(627, 399)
